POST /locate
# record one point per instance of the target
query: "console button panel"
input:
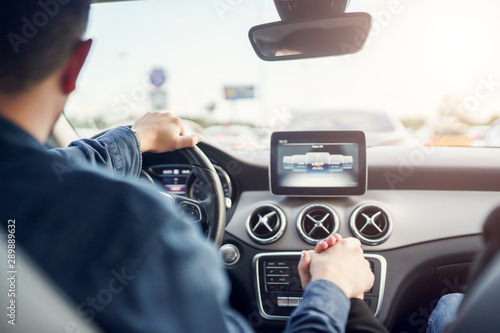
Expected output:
(279, 290)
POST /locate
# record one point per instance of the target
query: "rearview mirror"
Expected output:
(341, 34)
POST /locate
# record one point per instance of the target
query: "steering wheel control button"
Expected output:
(371, 224)
(266, 224)
(229, 254)
(316, 223)
(191, 210)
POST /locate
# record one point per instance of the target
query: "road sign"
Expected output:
(158, 77)
(239, 92)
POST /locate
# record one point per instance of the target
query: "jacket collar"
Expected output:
(13, 134)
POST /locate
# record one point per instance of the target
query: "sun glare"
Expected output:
(459, 45)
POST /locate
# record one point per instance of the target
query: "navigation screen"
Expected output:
(318, 163)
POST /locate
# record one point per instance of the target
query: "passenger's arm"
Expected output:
(324, 308)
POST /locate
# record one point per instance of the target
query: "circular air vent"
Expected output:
(371, 224)
(316, 223)
(266, 224)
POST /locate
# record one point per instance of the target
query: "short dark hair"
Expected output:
(37, 37)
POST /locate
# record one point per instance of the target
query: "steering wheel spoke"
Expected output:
(193, 210)
(210, 213)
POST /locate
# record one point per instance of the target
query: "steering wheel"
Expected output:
(210, 212)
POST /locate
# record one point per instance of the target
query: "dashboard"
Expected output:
(178, 179)
(419, 220)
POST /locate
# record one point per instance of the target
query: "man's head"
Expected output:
(37, 38)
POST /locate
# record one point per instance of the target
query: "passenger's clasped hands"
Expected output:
(340, 261)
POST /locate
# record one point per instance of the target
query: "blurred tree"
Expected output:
(413, 122)
(100, 122)
(494, 118)
(451, 107)
(210, 107)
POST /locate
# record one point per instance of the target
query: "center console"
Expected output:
(279, 290)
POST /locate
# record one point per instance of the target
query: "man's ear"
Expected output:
(74, 65)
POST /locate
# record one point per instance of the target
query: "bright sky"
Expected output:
(419, 52)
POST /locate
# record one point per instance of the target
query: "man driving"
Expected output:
(126, 260)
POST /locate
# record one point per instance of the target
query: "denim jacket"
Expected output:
(127, 261)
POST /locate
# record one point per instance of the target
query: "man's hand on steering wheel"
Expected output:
(162, 132)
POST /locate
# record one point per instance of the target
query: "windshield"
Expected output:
(428, 74)
(351, 120)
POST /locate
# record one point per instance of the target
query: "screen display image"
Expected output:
(318, 163)
(174, 178)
